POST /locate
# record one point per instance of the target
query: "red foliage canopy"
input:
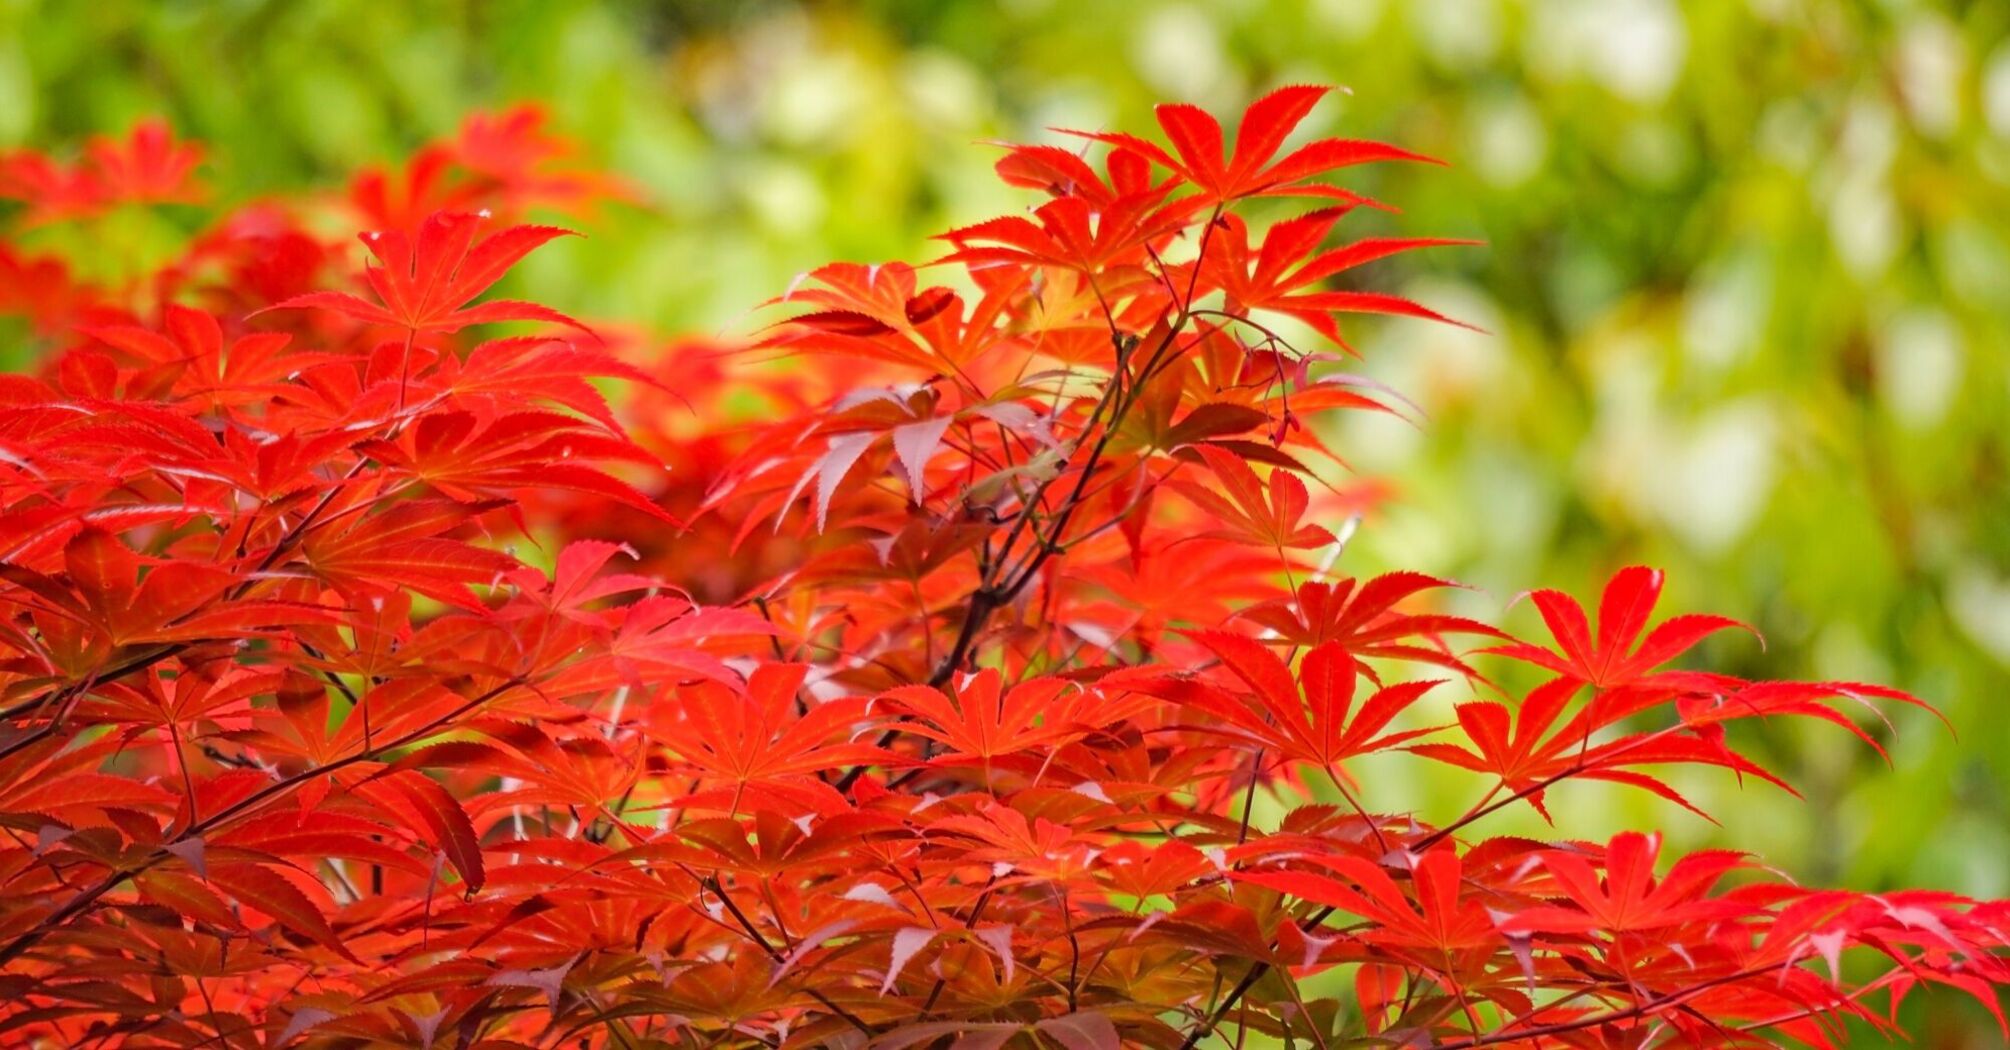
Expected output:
(364, 682)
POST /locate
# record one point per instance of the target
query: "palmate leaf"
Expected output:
(502, 372)
(1063, 173)
(662, 637)
(1283, 274)
(1198, 149)
(301, 743)
(986, 721)
(1437, 919)
(424, 282)
(1309, 717)
(1070, 233)
(1610, 660)
(194, 352)
(1629, 898)
(1528, 749)
(443, 569)
(878, 313)
(757, 739)
(114, 597)
(1269, 515)
(1363, 617)
(469, 460)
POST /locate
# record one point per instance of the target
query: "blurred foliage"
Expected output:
(1746, 288)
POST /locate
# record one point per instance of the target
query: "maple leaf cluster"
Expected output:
(976, 675)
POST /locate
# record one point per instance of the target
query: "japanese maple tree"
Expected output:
(366, 679)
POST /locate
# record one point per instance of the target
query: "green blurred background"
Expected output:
(1747, 284)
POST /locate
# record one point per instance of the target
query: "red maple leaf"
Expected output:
(424, 284)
